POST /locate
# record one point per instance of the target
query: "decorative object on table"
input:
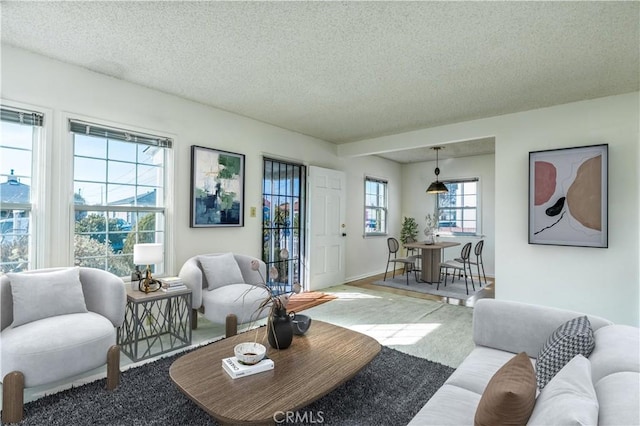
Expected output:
(170, 284)
(148, 254)
(301, 324)
(568, 191)
(249, 353)
(217, 188)
(431, 228)
(236, 369)
(279, 326)
(437, 187)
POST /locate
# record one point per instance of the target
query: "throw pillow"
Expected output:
(510, 394)
(569, 398)
(40, 295)
(575, 337)
(221, 270)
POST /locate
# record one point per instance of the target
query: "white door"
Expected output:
(327, 232)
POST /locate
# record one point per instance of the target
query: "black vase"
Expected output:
(280, 329)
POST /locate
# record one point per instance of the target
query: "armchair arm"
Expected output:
(104, 293)
(516, 327)
(191, 275)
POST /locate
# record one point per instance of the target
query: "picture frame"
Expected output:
(568, 196)
(217, 188)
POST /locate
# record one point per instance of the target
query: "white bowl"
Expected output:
(250, 352)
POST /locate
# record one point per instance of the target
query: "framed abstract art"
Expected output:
(568, 196)
(217, 188)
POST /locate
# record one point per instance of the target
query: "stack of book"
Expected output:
(236, 369)
(172, 284)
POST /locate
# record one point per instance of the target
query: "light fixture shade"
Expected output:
(437, 187)
(147, 254)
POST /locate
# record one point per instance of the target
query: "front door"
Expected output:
(327, 212)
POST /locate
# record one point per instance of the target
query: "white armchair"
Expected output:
(224, 288)
(54, 327)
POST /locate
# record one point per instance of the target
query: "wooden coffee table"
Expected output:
(314, 365)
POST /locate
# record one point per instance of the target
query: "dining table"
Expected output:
(431, 256)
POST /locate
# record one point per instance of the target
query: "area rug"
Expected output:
(389, 391)
(455, 289)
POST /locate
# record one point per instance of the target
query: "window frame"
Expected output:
(477, 208)
(168, 182)
(383, 210)
(40, 125)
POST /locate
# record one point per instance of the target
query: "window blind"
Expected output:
(89, 129)
(30, 118)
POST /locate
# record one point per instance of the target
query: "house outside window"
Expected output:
(458, 209)
(375, 206)
(21, 133)
(119, 195)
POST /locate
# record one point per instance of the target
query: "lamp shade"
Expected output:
(147, 254)
(437, 187)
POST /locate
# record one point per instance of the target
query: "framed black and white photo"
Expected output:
(217, 188)
(568, 196)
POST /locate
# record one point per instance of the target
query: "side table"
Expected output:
(155, 323)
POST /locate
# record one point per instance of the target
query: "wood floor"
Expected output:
(488, 291)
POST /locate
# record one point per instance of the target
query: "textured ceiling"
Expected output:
(347, 71)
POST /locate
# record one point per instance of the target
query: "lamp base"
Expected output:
(149, 285)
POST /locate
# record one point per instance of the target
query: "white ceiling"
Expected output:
(348, 71)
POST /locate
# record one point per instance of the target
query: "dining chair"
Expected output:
(407, 262)
(460, 264)
(477, 250)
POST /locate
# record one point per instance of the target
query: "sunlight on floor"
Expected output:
(348, 295)
(396, 334)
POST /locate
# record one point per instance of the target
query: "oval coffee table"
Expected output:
(314, 365)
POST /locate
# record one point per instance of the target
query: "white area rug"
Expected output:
(454, 288)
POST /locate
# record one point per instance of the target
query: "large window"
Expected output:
(375, 206)
(458, 209)
(119, 195)
(21, 133)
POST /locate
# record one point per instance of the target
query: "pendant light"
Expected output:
(437, 187)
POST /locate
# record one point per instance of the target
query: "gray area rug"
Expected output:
(389, 391)
(455, 289)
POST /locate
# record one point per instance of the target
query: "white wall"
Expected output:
(416, 203)
(602, 282)
(67, 90)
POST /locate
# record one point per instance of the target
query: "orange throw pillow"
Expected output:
(510, 394)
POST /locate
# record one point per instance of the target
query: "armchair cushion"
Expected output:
(46, 294)
(221, 270)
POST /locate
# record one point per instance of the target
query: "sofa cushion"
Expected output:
(617, 349)
(46, 294)
(510, 395)
(478, 368)
(618, 395)
(450, 406)
(220, 270)
(57, 347)
(572, 338)
(569, 398)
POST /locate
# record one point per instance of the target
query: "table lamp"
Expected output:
(148, 254)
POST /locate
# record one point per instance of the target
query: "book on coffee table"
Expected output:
(236, 369)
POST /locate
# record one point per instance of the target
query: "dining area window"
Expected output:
(458, 212)
(375, 210)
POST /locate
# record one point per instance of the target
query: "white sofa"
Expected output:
(220, 296)
(502, 329)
